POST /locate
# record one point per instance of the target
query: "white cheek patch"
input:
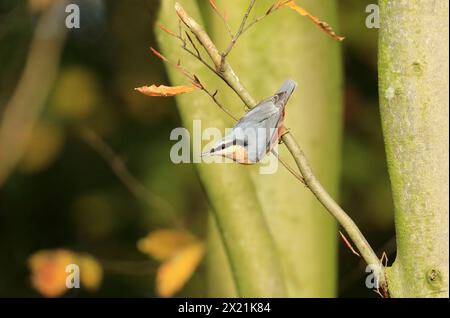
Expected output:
(239, 154)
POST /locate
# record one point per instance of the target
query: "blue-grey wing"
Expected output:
(259, 126)
(273, 105)
(265, 135)
(258, 114)
(261, 122)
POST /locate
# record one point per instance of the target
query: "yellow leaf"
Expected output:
(77, 93)
(321, 24)
(48, 271)
(175, 272)
(44, 146)
(91, 272)
(162, 90)
(162, 244)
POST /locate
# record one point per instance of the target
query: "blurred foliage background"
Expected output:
(63, 194)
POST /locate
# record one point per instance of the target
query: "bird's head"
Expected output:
(234, 149)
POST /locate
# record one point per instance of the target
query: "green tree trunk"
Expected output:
(413, 76)
(286, 45)
(249, 247)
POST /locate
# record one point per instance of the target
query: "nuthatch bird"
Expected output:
(258, 131)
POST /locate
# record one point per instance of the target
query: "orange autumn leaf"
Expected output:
(175, 272)
(162, 27)
(321, 24)
(163, 90)
(48, 271)
(91, 272)
(212, 3)
(163, 244)
(162, 57)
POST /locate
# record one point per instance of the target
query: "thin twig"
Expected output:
(236, 36)
(219, 104)
(311, 181)
(195, 54)
(271, 10)
(243, 27)
(288, 167)
(201, 60)
(177, 65)
(129, 181)
(193, 45)
(222, 17)
(349, 245)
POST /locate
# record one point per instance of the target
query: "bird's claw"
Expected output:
(284, 132)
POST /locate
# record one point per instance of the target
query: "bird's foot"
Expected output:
(283, 132)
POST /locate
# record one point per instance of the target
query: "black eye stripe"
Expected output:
(236, 142)
(279, 96)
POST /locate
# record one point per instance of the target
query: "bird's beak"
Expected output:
(206, 154)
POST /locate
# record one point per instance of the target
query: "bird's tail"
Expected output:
(288, 87)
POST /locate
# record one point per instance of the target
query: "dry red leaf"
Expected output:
(162, 27)
(162, 57)
(349, 245)
(321, 24)
(213, 5)
(162, 90)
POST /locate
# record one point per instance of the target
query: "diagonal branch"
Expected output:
(229, 76)
(226, 71)
(27, 102)
(218, 103)
(129, 181)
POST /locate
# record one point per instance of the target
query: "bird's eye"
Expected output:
(212, 150)
(223, 146)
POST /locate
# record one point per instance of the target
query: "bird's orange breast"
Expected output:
(238, 154)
